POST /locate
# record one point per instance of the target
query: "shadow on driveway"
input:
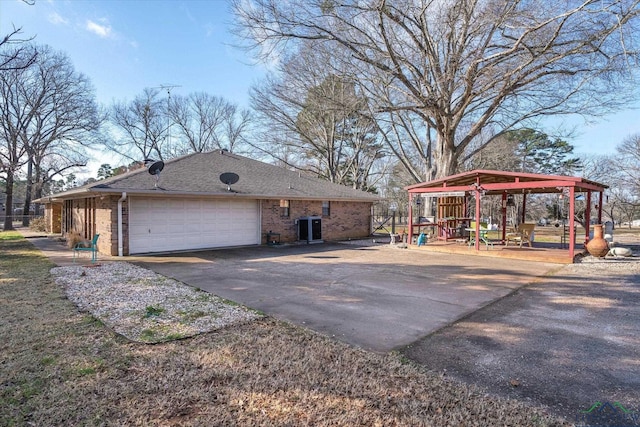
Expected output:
(378, 298)
(567, 343)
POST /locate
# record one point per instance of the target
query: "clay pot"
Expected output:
(597, 246)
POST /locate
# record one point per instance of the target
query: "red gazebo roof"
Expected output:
(496, 182)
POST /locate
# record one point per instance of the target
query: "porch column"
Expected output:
(572, 213)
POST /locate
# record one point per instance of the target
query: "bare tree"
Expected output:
(140, 126)
(200, 119)
(628, 159)
(15, 59)
(49, 111)
(237, 127)
(463, 66)
(323, 118)
(13, 150)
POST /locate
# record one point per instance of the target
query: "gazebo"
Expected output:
(482, 183)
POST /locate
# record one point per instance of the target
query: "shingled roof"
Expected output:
(199, 175)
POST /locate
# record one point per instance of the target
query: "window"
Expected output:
(284, 208)
(326, 208)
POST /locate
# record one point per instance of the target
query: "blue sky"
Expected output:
(125, 46)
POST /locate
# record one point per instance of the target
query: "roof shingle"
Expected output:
(199, 174)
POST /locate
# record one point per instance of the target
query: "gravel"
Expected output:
(144, 306)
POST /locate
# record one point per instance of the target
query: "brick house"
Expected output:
(188, 207)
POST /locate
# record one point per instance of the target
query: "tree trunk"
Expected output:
(445, 161)
(38, 189)
(27, 198)
(8, 218)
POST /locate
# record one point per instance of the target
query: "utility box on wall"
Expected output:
(310, 229)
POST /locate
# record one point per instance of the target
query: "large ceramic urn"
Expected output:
(597, 246)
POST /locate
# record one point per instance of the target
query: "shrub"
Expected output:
(38, 224)
(73, 238)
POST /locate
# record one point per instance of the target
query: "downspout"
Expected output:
(120, 239)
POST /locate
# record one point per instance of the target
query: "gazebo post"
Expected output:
(587, 217)
(524, 208)
(601, 194)
(477, 242)
(410, 237)
(504, 217)
(572, 214)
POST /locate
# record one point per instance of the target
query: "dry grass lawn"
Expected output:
(59, 366)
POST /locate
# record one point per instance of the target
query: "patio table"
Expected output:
(483, 236)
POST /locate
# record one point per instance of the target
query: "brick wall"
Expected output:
(107, 224)
(346, 219)
(53, 218)
(96, 215)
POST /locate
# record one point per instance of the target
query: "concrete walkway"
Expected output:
(376, 297)
(56, 250)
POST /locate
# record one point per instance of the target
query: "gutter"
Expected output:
(120, 238)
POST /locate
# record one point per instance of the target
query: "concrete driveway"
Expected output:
(375, 297)
(566, 342)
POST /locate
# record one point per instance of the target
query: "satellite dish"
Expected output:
(229, 178)
(156, 167)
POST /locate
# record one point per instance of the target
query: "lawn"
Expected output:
(60, 366)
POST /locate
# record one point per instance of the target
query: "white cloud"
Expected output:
(57, 19)
(102, 30)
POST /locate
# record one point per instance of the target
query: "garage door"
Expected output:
(160, 225)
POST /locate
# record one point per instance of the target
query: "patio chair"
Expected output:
(523, 234)
(87, 246)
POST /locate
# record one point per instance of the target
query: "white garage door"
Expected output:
(160, 225)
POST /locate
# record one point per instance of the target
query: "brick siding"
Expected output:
(94, 215)
(100, 215)
(346, 219)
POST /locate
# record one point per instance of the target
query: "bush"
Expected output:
(73, 238)
(38, 224)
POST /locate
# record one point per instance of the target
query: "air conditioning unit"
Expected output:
(310, 229)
